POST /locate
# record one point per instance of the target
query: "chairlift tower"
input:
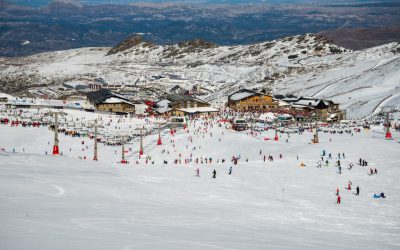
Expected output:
(141, 142)
(387, 110)
(316, 139)
(123, 160)
(95, 126)
(159, 142)
(56, 149)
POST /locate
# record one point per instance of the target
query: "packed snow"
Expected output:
(68, 202)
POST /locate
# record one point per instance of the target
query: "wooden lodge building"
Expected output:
(249, 100)
(300, 107)
(320, 109)
(180, 105)
(107, 101)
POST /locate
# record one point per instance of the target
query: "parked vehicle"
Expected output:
(239, 124)
(177, 121)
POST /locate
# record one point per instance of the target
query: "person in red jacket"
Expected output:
(338, 199)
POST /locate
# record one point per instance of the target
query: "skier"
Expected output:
(214, 174)
(376, 171)
(338, 199)
(357, 190)
(198, 172)
(337, 191)
(340, 170)
(230, 170)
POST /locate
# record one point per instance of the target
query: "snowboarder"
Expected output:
(350, 166)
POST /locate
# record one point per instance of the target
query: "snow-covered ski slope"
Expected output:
(363, 86)
(61, 202)
(360, 80)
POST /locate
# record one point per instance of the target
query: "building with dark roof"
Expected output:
(249, 100)
(176, 102)
(105, 100)
(323, 110)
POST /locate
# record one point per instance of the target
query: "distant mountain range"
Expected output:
(37, 3)
(67, 24)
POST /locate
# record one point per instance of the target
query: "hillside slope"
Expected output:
(307, 65)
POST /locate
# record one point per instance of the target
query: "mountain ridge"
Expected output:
(304, 65)
(65, 25)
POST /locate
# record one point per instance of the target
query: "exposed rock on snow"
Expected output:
(304, 65)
